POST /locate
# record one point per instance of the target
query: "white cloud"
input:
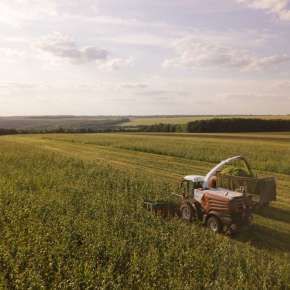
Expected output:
(63, 47)
(132, 85)
(116, 63)
(10, 54)
(283, 84)
(256, 97)
(16, 85)
(194, 52)
(278, 7)
(15, 11)
(263, 62)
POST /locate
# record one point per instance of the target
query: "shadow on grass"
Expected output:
(275, 213)
(265, 238)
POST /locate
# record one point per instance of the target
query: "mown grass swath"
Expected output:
(71, 217)
(268, 155)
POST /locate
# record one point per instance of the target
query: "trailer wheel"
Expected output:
(187, 212)
(214, 224)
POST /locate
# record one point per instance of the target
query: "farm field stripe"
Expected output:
(126, 159)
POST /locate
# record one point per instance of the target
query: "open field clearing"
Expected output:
(35, 123)
(139, 121)
(71, 213)
(147, 121)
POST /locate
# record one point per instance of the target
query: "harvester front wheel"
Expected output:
(214, 224)
(187, 212)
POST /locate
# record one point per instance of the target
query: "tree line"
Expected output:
(238, 125)
(8, 131)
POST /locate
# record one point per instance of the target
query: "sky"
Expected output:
(144, 57)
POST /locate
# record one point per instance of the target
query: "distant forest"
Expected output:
(8, 131)
(238, 125)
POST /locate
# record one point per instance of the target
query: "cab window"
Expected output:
(190, 187)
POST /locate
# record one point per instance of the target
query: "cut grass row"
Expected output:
(267, 155)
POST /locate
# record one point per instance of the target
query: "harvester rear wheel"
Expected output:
(187, 212)
(214, 224)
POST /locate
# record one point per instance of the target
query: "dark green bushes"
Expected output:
(161, 128)
(237, 125)
(7, 131)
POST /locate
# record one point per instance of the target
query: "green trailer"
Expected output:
(262, 189)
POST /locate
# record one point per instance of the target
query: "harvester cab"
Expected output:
(190, 183)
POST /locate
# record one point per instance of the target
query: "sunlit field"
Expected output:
(182, 120)
(71, 214)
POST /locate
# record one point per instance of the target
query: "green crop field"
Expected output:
(147, 121)
(71, 214)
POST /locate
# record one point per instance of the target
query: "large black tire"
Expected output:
(187, 212)
(214, 224)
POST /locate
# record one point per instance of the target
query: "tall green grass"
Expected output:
(67, 223)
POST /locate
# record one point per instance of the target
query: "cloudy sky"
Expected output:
(118, 57)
